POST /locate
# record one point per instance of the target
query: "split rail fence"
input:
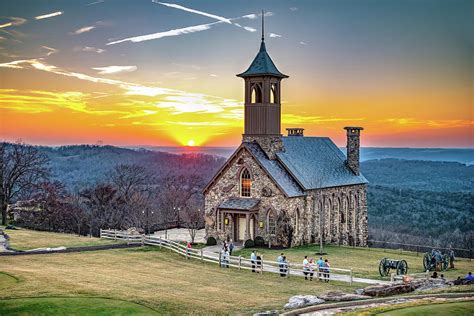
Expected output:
(224, 261)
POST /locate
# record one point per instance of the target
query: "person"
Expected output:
(311, 268)
(451, 258)
(433, 258)
(285, 267)
(469, 276)
(188, 249)
(226, 258)
(231, 247)
(326, 271)
(439, 260)
(223, 257)
(280, 263)
(253, 259)
(435, 275)
(259, 264)
(320, 264)
(442, 277)
(224, 245)
(305, 267)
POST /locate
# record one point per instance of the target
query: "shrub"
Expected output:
(211, 241)
(259, 241)
(249, 243)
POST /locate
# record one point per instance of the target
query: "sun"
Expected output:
(191, 143)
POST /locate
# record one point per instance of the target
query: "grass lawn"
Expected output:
(159, 279)
(74, 305)
(24, 239)
(364, 261)
(7, 281)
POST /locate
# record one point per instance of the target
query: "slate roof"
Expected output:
(316, 162)
(262, 65)
(240, 204)
(275, 170)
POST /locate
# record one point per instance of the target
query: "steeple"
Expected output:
(262, 101)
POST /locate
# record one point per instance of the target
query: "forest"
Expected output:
(409, 201)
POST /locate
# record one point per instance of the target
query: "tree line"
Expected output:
(129, 195)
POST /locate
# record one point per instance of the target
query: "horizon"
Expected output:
(95, 71)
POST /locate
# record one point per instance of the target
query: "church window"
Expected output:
(297, 221)
(245, 183)
(256, 96)
(271, 223)
(343, 218)
(273, 93)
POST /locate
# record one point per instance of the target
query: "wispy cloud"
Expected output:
(250, 16)
(14, 21)
(303, 43)
(114, 69)
(93, 50)
(293, 9)
(176, 32)
(95, 2)
(84, 29)
(250, 29)
(50, 50)
(213, 75)
(274, 35)
(180, 7)
(300, 119)
(48, 15)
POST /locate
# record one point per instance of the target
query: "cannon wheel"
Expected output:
(445, 262)
(402, 267)
(427, 261)
(384, 270)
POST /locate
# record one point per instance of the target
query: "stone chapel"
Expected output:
(290, 190)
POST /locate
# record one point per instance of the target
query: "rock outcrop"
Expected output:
(299, 301)
(338, 296)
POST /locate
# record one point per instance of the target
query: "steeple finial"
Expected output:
(263, 26)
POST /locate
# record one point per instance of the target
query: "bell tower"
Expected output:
(263, 101)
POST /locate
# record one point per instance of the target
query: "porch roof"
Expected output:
(240, 204)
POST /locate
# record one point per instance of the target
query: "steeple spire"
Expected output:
(263, 26)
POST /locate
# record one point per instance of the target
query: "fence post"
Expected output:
(101, 233)
(128, 239)
(202, 256)
(261, 264)
(240, 261)
(351, 276)
(143, 239)
(288, 269)
(220, 265)
(115, 234)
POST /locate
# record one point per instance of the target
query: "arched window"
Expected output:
(271, 222)
(273, 93)
(256, 95)
(343, 218)
(245, 183)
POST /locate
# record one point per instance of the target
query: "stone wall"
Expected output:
(343, 215)
(263, 188)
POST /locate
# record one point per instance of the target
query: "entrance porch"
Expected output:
(239, 216)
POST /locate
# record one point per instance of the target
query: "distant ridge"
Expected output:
(461, 155)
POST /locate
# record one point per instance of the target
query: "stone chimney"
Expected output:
(353, 145)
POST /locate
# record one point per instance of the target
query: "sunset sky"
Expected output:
(144, 72)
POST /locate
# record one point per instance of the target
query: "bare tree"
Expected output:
(194, 217)
(22, 167)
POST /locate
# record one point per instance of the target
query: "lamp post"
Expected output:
(177, 216)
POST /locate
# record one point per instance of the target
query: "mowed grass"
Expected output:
(71, 305)
(25, 239)
(363, 261)
(159, 279)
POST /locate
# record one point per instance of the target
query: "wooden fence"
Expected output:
(225, 261)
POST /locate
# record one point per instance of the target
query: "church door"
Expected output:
(242, 227)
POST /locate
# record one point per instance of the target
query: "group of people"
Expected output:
(226, 252)
(321, 267)
(437, 259)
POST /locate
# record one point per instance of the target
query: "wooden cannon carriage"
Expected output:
(386, 264)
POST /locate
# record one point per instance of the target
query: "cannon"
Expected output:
(386, 264)
(430, 261)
